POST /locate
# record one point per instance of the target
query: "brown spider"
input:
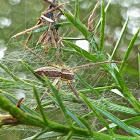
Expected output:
(62, 73)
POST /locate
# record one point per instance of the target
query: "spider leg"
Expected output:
(76, 93)
(59, 85)
(57, 52)
(93, 64)
(43, 60)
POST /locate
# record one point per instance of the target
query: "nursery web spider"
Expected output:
(62, 73)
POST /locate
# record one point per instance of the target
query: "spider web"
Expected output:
(25, 15)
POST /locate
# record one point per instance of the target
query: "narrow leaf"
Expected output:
(129, 50)
(82, 28)
(125, 91)
(40, 107)
(23, 107)
(102, 27)
(139, 65)
(56, 94)
(97, 113)
(76, 10)
(119, 39)
(9, 72)
(109, 115)
(55, 26)
(99, 23)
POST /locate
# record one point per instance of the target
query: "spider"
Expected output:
(62, 73)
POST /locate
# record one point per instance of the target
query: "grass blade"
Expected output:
(76, 10)
(139, 65)
(128, 50)
(97, 113)
(56, 94)
(108, 115)
(99, 23)
(9, 72)
(40, 107)
(119, 39)
(32, 72)
(102, 27)
(127, 94)
(70, 113)
(82, 28)
(23, 107)
(55, 26)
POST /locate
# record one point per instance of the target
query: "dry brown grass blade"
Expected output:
(51, 10)
(29, 30)
(91, 18)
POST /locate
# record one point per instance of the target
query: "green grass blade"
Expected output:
(128, 50)
(82, 52)
(139, 65)
(102, 27)
(56, 94)
(40, 107)
(95, 58)
(104, 103)
(32, 72)
(55, 26)
(109, 116)
(78, 25)
(9, 72)
(23, 107)
(76, 16)
(127, 94)
(129, 121)
(37, 135)
(119, 39)
(88, 86)
(82, 28)
(99, 23)
(97, 113)
(70, 113)
(68, 137)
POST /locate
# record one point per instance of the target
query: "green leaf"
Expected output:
(97, 113)
(23, 107)
(119, 39)
(32, 72)
(70, 113)
(99, 23)
(102, 27)
(125, 91)
(56, 94)
(9, 72)
(76, 10)
(139, 65)
(55, 26)
(82, 28)
(40, 107)
(109, 116)
(82, 52)
(129, 50)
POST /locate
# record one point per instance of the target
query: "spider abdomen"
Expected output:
(49, 72)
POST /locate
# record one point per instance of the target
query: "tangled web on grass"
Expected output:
(94, 76)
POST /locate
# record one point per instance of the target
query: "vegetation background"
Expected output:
(18, 15)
